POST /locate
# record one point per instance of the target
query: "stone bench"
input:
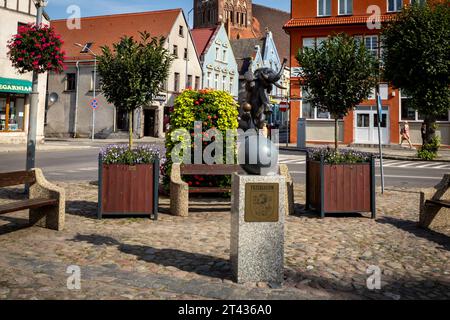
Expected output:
(179, 189)
(435, 206)
(46, 202)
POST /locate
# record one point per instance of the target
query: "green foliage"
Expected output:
(132, 73)
(429, 150)
(214, 109)
(339, 74)
(416, 51)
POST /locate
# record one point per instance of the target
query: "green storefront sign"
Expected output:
(15, 86)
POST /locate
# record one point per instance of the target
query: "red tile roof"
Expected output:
(309, 22)
(106, 30)
(202, 36)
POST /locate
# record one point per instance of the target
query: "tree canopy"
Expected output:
(133, 72)
(416, 55)
(339, 73)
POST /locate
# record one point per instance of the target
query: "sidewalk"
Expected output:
(389, 152)
(60, 144)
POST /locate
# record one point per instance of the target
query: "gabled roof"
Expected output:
(108, 29)
(202, 37)
(244, 51)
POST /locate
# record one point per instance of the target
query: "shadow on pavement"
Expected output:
(411, 227)
(187, 261)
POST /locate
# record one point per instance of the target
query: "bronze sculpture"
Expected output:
(253, 114)
(256, 108)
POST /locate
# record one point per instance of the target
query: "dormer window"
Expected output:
(345, 7)
(323, 8)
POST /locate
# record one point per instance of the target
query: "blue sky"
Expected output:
(57, 8)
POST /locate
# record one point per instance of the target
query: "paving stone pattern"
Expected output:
(188, 258)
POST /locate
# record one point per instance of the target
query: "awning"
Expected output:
(15, 85)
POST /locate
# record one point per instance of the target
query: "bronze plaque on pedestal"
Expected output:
(261, 202)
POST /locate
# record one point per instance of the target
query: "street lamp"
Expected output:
(34, 103)
(85, 49)
(187, 47)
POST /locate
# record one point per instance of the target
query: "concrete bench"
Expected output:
(179, 189)
(46, 202)
(435, 206)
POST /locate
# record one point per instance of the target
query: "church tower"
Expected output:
(235, 14)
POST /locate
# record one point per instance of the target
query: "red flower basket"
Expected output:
(36, 48)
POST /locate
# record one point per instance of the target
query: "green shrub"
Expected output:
(215, 109)
(429, 150)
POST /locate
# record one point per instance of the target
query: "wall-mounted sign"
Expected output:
(160, 97)
(15, 86)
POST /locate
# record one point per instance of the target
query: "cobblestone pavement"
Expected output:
(187, 258)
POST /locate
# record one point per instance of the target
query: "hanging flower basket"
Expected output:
(36, 48)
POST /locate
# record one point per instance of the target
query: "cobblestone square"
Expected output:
(188, 258)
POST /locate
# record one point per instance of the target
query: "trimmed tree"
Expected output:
(133, 72)
(416, 51)
(339, 74)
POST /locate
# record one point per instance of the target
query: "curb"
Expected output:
(388, 157)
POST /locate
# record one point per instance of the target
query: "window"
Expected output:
(371, 43)
(175, 51)
(216, 81)
(176, 85)
(224, 83)
(309, 42)
(421, 2)
(12, 113)
(345, 6)
(217, 53)
(97, 81)
(181, 31)
(197, 83)
(224, 55)
(208, 80)
(323, 7)
(409, 113)
(71, 82)
(189, 81)
(231, 84)
(185, 55)
(309, 112)
(394, 5)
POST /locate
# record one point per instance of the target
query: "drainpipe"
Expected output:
(76, 101)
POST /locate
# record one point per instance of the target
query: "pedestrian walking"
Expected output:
(404, 133)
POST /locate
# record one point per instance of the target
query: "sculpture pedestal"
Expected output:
(257, 228)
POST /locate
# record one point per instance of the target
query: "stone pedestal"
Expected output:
(257, 228)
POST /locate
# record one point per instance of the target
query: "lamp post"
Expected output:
(86, 48)
(34, 101)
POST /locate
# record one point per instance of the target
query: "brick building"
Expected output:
(314, 20)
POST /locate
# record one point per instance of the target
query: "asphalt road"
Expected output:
(82, 165)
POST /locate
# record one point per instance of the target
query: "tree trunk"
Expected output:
(430, 124)
(130, 129)
(336, 133)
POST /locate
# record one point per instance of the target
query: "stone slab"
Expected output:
(256, 248)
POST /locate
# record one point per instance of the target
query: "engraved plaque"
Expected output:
(261, 202)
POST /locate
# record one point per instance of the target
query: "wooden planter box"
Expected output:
(128, 190)
(341, 188)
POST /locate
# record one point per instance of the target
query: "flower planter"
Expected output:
(126, 190)
(340, 188)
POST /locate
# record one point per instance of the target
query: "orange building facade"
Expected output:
(314, 20)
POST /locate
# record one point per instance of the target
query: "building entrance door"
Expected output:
(366, 125)
(149, 122)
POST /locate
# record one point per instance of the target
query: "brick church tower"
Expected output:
(235, 14)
